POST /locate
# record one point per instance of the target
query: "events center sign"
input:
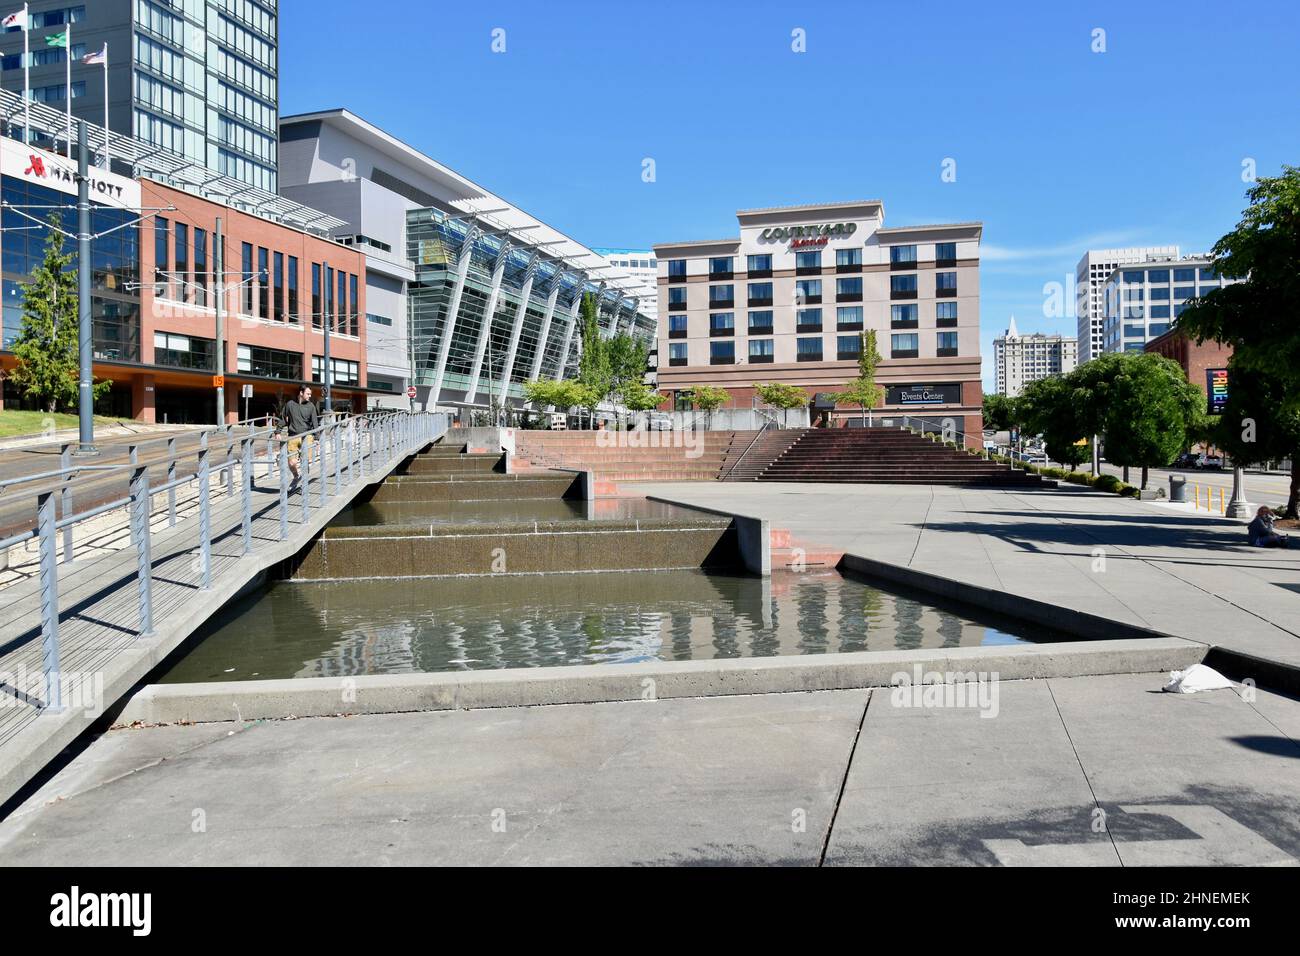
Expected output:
(803, 236)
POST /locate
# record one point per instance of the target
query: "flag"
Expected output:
(18, 19)
(92, 58)
(57, 39)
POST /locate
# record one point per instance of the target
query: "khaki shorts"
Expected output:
(296, 445)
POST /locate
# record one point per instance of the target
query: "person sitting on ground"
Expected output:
(1261, 531)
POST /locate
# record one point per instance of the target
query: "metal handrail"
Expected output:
(908, 419)
(753, 441)
(358, 446)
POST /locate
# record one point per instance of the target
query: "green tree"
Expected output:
(863, 390)
(595, 372)
(1150, 410)
(1050, 407)
(639, 397)
(1260, 316)
(1001, 412)
(1254, 427)
(46, 346)
(781, 395)
(708, 398)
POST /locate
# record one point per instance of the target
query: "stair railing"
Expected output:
(753, 441)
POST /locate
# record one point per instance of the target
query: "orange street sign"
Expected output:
(218, 381)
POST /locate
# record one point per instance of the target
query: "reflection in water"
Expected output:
(448, 624)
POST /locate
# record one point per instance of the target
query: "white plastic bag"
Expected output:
(1198, 677)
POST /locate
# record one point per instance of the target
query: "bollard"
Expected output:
(65, 498)
(246, 493)
(144, 574)
(45, 523)
(205, 514)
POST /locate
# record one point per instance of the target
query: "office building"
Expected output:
(1141, 300)
(1021, 359)
(1091, 273)
(198, 78)
(640, 264)
(789, 299)
(442, 253)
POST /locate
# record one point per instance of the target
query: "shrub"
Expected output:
(1080, 478)
(1109, 483)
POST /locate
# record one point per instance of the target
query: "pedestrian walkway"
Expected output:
(1189, 576)
(1100, 771)
(104, 642)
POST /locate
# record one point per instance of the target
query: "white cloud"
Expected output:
(1073, 248)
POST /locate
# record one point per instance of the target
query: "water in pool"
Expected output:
(348, 628)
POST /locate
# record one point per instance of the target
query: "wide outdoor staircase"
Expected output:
(884, 456)
(631, 456)
(748, 460)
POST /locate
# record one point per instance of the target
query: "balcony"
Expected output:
(946, 353)
(676, 279)
(809, 299)
(945, 323)
(848, 356)
(945, 263)
(721, 276)
(904, 353)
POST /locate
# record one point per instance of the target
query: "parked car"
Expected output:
(659, 422)
(1209, 462)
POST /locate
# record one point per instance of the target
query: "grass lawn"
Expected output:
(14, 423)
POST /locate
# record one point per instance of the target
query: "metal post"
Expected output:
(304, 466)
(171, 477)
(85, 339)
(1238, 507)
(338, 459)
(321, 464)
(230, 462)
(65, 498)
(140, 508)
(246, 494)
(45, 522)
(133, 455)
(205, 513)
(284, 491)
(218, 260)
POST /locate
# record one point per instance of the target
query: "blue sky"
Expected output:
(1057, 148)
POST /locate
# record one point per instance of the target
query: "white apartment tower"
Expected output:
(1091, 274)
(1021, 359)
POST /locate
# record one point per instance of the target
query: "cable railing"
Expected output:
(331, 458)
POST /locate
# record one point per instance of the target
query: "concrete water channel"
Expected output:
(453, 564)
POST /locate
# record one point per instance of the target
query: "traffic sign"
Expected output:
(218, 381)
(410, 391)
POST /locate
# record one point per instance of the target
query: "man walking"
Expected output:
(299, 419)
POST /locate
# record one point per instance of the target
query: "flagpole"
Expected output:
(27, 76)
(108, 160)
(67, 38)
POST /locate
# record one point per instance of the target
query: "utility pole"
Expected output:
(85, 338)
(218, 259)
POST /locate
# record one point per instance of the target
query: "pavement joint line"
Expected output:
(916, 545)
(844, 780)
(1075, 750)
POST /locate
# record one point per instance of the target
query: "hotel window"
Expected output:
(808, 320)
(903, 316)
(947, 344)
(808, 290)
(848, 257)
(184, 351)
(1160, 276)
(808, 350)
(246, 277)
(945, 283)
(761, 351)
(269, 363)
(849, 317)
(677, 326)
(263, 284)
(277, 288)
(1160, 294)
(1157, 329)
(945, 314)
(182, 261)
(902, 257)
(677, 298)
(755, 264)
(160, 260)
(848, 290)
(720, 267)
(677, 269)
(722, 353)
(200, 267)
(902, 287)
(807, 262)
(315, 296)
(945, 252)
(1184, 291)
(760, 293)
(354, 313)
(1184, 275)
(722, 323)
(1133, 277)
(905, 346)
(342, 371)
(293, 289)
(760, 323)
(722, 295)
(848, 348)
(341, 305)
(677, 353)
(1159, 311)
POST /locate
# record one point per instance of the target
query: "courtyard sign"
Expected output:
(809, 235)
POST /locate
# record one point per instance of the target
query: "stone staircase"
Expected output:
(630, 456)
(748, 459)
(886, 456)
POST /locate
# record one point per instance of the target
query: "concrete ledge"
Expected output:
(596, 683)
(754, 535)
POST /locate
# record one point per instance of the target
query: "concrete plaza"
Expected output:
(1093, 770)
(1135, 563)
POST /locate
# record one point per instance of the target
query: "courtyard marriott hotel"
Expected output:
(788, 302)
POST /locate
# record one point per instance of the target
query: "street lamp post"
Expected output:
(1238, 507)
